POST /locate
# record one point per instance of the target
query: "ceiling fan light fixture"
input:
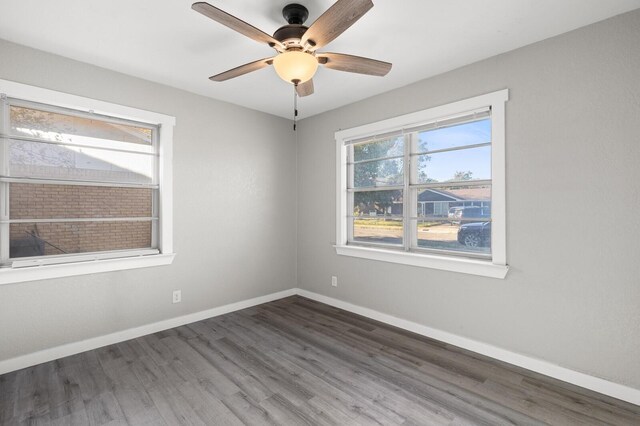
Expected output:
(295, 66)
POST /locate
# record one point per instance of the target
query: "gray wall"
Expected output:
(234, 214)
(572, 296)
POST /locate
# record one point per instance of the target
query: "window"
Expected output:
(427, 189)
(84, 185)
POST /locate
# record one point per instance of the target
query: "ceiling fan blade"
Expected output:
(357, 64)
(236, 24)
(305, 89)
(242, 69)
(334, 22)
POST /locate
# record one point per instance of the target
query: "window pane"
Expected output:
(456, 218)
(380, 149)
(455, 166)
(472, 133)
(470, 237)
(36, 239)
(36, 201)
(54, 126)
(456, 203)
(377, 203)
(378, 173)
(378, 230)
(44, 160)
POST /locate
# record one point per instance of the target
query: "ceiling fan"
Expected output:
(296, 45)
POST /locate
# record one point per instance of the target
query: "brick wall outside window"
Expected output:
(39, 201)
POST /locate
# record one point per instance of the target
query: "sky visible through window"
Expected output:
(441, 167)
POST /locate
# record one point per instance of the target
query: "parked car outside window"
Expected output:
(468, 214)
(476, 234)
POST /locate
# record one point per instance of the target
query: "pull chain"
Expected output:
(295, 104)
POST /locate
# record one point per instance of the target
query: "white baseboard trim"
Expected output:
(596, 384)
(73, 348)
(546, 368)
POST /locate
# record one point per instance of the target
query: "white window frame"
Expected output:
(89, 263)
(496, 267)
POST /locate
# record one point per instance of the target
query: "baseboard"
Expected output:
(68, 349)
(546, 368)
(596, 384)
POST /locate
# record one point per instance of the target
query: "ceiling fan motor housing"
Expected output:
(295, 13)
(290, 35)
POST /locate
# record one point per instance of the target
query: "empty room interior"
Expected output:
(320, 212)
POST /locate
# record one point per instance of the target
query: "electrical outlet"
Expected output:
(334, 281)
(177, 296)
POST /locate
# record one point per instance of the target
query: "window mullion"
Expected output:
(4, 186)
(95, 183)
(406, 195)
(85, 219)
(350, 194)
(412, 210)
(155, 195)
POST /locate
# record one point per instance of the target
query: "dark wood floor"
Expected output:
(292, 362)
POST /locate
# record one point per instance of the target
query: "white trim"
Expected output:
(497, 267)
(22, 262)
(419, 118)
(165, 194)
(34, 273)
(498, 185)
(73, 348)
(4, 187)
(546, 368)
(341, 193)
(165, 125)
(51, 97)
(446, 263)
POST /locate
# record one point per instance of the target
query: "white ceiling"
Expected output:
(167, 42)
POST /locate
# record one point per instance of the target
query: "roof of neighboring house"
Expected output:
(82, 159)
(462, 194)
(61, 162)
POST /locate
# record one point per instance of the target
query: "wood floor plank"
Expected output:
(156, 349)
(173, 407)
(104, 409)
(272, 375)
(33, 394)
(8, 396)
(244, 379)
(210, 409)
(65, 393)
(136, 405)
(248, 410)
(294, 361)
(201, 368)
(286, 413)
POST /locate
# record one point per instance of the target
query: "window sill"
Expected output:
(33, 273)
(455, 264)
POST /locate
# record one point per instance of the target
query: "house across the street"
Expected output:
(437, 202)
